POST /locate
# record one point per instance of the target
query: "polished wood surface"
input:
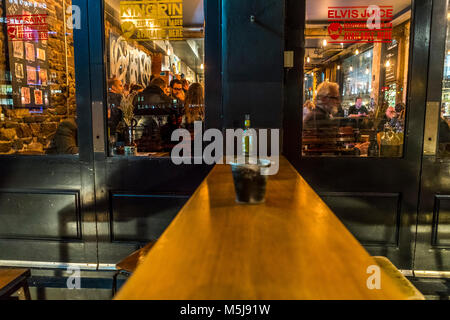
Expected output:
(290, 247)
(12, 280)
(404, 284)
(130, 263)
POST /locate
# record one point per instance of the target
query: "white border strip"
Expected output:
(432, 274)
(57, 265)
(426, 274)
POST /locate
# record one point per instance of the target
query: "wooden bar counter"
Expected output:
(290, 247)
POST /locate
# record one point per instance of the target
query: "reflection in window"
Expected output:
(37, 79)
(155, 72)
(354, 90)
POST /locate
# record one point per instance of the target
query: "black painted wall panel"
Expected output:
(372, 219)
(141, 218)
(252, 62)
(30, 215)
(441, 222)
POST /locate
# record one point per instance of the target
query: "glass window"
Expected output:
(155, 72)
(37, 79)
(444, 119)
(355, 84)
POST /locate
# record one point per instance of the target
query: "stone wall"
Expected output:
(22, 132)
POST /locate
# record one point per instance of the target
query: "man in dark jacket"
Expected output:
(358, 110)
(153, 94)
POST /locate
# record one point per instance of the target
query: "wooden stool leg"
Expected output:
(114, 285)
(26, 290)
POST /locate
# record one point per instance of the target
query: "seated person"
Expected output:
(320, 122)
(391, 117)
(358, 110)
(326, 103)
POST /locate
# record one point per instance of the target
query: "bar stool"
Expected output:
(13, 280)
(404, 284)
(127, 266)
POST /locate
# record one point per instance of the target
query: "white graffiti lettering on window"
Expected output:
(128, 64)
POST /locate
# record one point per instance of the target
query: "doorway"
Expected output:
(355, 106)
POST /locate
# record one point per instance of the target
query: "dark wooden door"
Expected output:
(376, 198)
(47, 205)
(137, 197)
(433, 231)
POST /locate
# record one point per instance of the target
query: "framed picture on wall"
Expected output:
(19, 70)
(17, 49)
(43, 77)
(38, 97)
(25, 95)
(31, 75)
(41, 54)
(29, 51)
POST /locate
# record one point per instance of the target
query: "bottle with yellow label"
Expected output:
(246, 139)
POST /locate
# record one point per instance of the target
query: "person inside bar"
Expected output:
(390, 118)
(153, 94)
(358, 115)
(326, 106)
(308, 106)
(358, 110)
(177, 90)
(115, 95)
(323, 125)
(194, 108)
(185, 84)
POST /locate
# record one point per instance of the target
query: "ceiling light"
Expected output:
(356, 52)
(339, 67)
(202, 66)
(308, 59)
(388, 64)
(324, 42)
